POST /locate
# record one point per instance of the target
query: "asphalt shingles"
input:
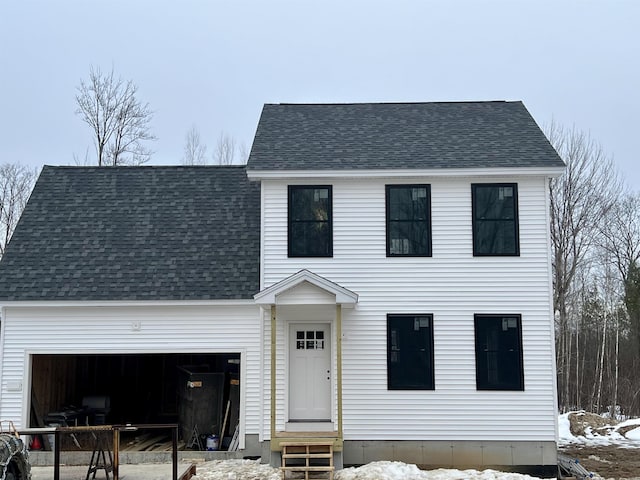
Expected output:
(361, 136)
(136, 233)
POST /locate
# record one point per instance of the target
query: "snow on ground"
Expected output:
(590, 429)
(574, 428)
(253, 470)
(399, 470)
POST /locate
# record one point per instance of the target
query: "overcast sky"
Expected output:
(214, 63)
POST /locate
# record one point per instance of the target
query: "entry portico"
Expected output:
(306, 342)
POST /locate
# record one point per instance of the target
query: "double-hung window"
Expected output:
(408, 220)
(410, 352)
(498, 352)
(495, 219)
(310, 229)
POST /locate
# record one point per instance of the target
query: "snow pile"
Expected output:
(634, 433)
(399, 470)
(591, 429)
(253, 470)
(236, 470)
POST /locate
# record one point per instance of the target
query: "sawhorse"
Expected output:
(99, 457)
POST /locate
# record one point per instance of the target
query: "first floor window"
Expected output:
(410, 352)
(310, 224)
(498, 352)
(495, 219)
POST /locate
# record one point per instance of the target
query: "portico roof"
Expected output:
(269, 295)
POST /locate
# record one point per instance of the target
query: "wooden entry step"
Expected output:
(307, 457)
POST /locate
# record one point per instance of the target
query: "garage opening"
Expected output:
(200, 392)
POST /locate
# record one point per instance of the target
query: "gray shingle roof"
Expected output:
(136, 233)
(399, 135)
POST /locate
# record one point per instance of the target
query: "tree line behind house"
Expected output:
(595, 237)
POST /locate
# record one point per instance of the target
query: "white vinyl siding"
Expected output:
(453, 285)
(101, 330)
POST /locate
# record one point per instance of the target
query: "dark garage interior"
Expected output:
(200, 392)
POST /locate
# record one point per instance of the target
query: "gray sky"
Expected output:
(213, 63)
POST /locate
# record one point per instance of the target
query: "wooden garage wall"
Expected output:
(52, 383)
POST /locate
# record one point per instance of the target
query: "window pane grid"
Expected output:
(408, 220)
(310, 226)
(310, 340)
(410, 352)
(495, 222)
(498, 352)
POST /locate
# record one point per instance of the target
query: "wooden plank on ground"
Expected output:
(150, 442)
(190, 472)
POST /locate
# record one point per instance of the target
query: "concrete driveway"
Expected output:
(149, 471)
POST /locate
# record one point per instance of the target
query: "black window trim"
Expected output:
(518, 317)
(388, 220)
(516, 219)
(431, 347)
(329, 221)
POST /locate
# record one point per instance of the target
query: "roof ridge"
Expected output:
(136, 167)
(441, 102)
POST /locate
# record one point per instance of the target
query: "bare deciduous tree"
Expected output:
(244, 153)
(228, 152)
(579, 200)
(225, 151)
(118, 120)
(16, 183)
(195, 152)
(620, 233)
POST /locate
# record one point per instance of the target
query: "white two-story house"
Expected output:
(376, 278)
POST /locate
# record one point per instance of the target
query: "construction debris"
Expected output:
(571, 467)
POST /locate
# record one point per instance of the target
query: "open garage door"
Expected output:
(88, 389)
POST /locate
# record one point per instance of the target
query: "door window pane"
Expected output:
(310, 340)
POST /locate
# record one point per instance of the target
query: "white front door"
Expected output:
(309, 372)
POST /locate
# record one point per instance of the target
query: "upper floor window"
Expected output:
(310, 224)
(495, 219)
(408, 220)
(498, 352)
(410, 352)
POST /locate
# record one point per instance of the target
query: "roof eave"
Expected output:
(405, 173)
(121, 303)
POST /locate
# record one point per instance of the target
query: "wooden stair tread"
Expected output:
(304, 444)
(305, 455)
(307, 434)
(313, 468)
